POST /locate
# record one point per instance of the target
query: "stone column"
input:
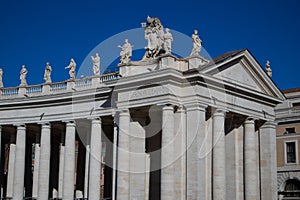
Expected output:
(268, 169)
(250, 160)
(115, 143)
(95, 160)
(123, 156)
(86, 171)
(11, 166)
(180, 153)
(61, 170)
(35, 181)
(167, 154)
(19, 163)
(196, 153)
(44, 168)
(69, 162)
(219, 167)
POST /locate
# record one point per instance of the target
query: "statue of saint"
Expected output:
(197, 44)
(72, 68)
(268, 69)
(23, 74)
(126, 52)
(1, 75)
(47, 73)
(96, 64)
(168, 41)
(154, 34)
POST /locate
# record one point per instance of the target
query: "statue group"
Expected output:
(159, 42)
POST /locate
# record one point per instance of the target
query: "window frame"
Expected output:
(285, 152)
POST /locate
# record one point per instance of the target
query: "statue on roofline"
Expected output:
(168, 39)
(47, 73)
(126, 52)
(72, 69)
(268, 69)
(96, 64)
(197, 44)
(154, 34)
(1, 75)
(23, 74)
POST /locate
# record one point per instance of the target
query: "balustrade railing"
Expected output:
(57, 87)
(34, 89)
(9, 91)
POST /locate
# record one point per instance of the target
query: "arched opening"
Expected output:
(291, 189)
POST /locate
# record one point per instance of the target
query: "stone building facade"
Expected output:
(288, 138)
(187, 128)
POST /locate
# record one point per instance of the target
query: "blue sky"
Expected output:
(33, 32)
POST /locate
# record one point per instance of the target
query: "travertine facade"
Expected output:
(164, 128)
(288, 140)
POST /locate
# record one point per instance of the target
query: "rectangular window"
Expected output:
(290, 130)
(291, 152)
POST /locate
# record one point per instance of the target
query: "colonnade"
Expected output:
(194, 143)
(61, 157)
(196, 158)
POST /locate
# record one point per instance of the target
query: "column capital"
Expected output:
(269, 124)
(249, 120)
(44, 123)
(219, 111)
(20, 126)
(181, 109)
(168, 107)
(195, 106)
(70, 123)
(96, 120)
(124, 111)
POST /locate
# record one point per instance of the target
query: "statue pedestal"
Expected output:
(197, 61)
(71, 85)
(167, 62)
(46, 89)
(22, 91)
(96, 81)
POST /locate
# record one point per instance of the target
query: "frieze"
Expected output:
(144, 93)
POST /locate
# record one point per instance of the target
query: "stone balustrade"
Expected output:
(57, 87)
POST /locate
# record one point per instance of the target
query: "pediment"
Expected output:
(244, 71)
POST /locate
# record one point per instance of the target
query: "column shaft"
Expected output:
(44, 167)
(95, 160)
(19, 163)
(69, 162)
(167, 154)
(219, 167)
(11, 169)
(180, 153)
(61, 170)
(123, 156)
(268, 170)
(250, 160)
(114, 175)
(36, 170)
(86, 172)
(196, 154)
